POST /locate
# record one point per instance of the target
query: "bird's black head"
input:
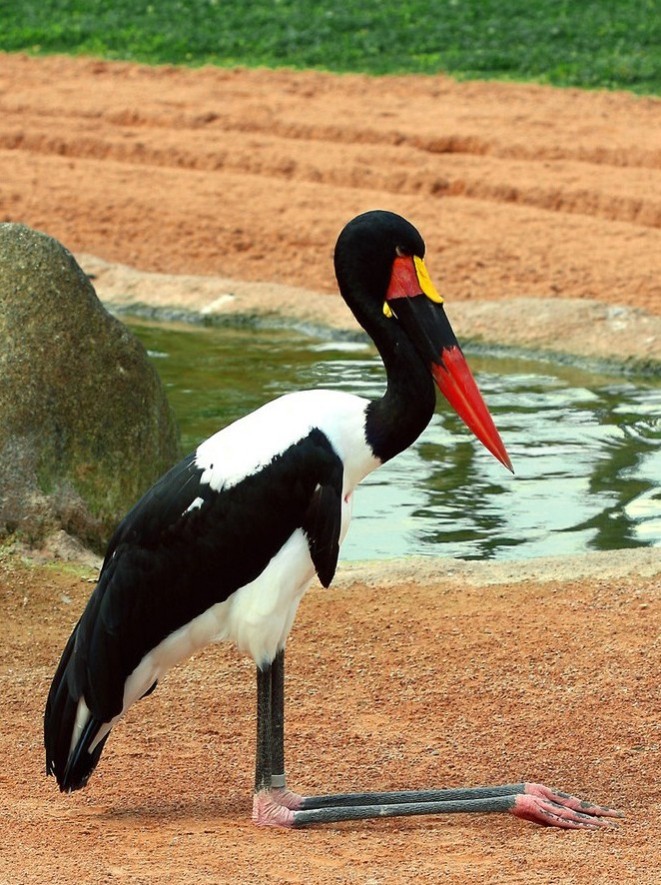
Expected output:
(365, 252)
(382, 276)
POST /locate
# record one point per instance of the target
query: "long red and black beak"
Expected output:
(412, 298)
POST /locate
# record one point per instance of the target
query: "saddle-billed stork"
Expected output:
(224, 546)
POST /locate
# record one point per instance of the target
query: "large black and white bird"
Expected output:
(224, 546)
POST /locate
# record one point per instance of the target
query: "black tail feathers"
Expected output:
(72, 766)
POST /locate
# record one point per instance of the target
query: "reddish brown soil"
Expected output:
(443, 682)
(434, 679)
(519, 190)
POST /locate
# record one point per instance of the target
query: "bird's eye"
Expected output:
(401, 253)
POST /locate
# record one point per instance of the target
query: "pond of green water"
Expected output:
(586, 447)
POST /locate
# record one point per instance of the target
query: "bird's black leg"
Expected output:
(265, 811)
(263, 761)
(275, 805)
(272, 801)
(533, 802)
(270, 755)
(278, 721)
(279, 790)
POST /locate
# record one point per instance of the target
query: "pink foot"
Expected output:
(287, 798)
(552, 808)
(267, 811)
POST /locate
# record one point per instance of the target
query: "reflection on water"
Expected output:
(586, 448)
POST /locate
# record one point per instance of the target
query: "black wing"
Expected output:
(322, 523)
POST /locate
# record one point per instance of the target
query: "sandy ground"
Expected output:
(541, 209)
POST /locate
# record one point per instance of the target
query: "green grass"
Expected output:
(612, 43)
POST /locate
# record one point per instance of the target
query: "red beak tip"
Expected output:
(455, 381)
(498, 450)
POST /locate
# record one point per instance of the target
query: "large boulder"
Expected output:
(85, 426)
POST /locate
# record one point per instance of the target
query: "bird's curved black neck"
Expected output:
(364, 261)
(396, 420)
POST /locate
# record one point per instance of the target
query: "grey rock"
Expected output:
(85, 426)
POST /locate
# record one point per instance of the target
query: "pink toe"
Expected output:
(550, 814)
(567, 801)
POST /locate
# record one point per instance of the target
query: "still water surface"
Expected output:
(586, 448)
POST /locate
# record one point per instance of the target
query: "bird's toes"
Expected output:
(557, 797)
(551, 814)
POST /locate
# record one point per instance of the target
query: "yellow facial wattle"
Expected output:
(426, 285)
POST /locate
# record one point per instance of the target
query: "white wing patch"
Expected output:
(251, 443)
